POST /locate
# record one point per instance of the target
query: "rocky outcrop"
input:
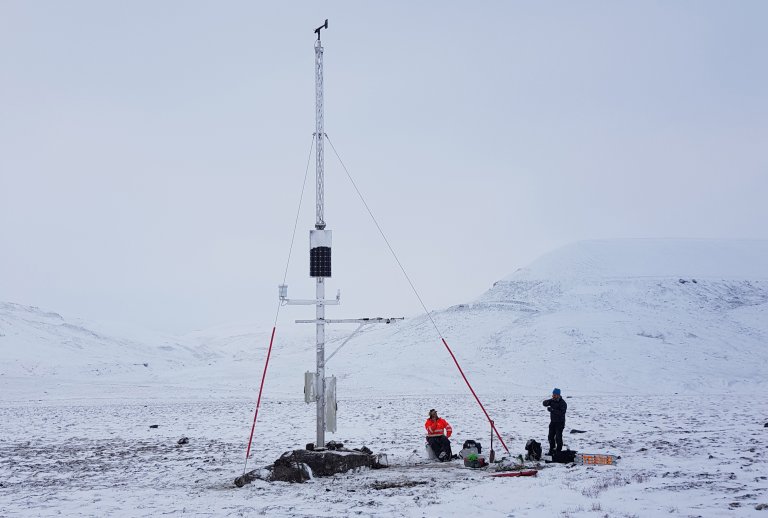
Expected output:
(302, 465)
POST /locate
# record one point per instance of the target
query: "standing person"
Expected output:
(556, 407)
(438, 432)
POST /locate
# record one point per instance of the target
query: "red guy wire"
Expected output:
(473, 393)
(258, 402)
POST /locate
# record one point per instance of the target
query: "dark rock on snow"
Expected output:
(301, 465)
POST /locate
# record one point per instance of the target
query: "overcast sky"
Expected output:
(152, 153)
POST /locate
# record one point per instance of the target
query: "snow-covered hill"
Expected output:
(665, 258)
(43, 355)
(617, 316)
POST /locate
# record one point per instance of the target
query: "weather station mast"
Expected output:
(318, 388)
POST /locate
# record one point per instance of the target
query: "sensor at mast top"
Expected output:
(323, 26)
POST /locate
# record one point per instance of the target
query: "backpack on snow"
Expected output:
(533, 450)
(473, 444)
(470, 447)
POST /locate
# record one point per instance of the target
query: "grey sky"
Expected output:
(152, 153)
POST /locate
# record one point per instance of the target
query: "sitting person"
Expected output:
(438, 432)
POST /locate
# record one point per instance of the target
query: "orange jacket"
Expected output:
(438, 427)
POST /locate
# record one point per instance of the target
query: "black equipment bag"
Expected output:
(564, 457)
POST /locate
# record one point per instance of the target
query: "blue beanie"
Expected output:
(556, 391)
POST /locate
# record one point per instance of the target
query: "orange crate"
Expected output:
(595, 458)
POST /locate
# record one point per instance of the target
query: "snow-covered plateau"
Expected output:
(659, 347)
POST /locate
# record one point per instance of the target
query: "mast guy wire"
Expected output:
(296, 222)
(461, 371)
(277, 313)
(392, 251)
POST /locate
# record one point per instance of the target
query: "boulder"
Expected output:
(302, 465)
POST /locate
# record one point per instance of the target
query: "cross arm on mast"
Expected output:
(283, 294)
(307, 302)
(377, 320)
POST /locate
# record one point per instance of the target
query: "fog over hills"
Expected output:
(615, 316)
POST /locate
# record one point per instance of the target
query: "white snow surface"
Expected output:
(659, 347)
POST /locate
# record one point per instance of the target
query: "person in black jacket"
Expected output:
(557, 407)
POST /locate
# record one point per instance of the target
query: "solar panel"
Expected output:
(320, 261)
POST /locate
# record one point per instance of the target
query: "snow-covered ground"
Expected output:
(684, 455)
(659, 347)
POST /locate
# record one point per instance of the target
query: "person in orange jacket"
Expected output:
(438, 432)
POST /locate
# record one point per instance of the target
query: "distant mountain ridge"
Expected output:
(623, 316)
(611, 316)
(629, 258)
(41, 352)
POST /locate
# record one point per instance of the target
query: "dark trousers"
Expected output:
(440, 445)
(556, 436)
